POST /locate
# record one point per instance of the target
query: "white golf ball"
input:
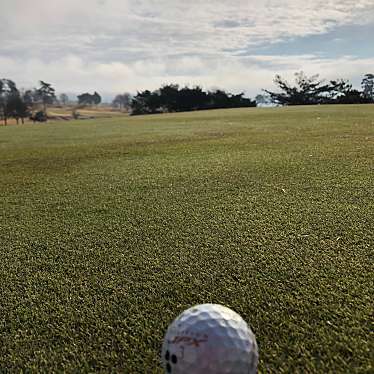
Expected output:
(209, 339)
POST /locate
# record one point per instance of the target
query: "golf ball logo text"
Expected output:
(189, 339)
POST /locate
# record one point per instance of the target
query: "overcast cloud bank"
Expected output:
(127, 45)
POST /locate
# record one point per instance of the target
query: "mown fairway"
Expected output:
(110, 228)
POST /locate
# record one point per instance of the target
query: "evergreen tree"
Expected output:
(8, 89)
(46, 94)
(367, 85)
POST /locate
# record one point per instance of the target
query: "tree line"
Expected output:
(20, 104)
(32, 103)
(313, 90)
(304, 91)
(172, 98)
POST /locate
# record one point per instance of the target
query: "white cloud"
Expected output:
(249, 74)
(116, 45)
(171, 26)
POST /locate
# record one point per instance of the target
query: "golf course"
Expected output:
(111, 227)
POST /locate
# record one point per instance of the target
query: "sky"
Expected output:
(116, 46)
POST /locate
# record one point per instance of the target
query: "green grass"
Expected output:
(110, 228)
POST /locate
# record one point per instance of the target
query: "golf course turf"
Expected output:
(110, 228)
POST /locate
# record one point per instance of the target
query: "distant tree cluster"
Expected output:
(88, 99)
(19, 104)
(172, 98)
(122, 101)
(64, 99)
(312, 91)
(33, 103)
(11, 101)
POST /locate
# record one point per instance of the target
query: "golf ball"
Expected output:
(207, 339)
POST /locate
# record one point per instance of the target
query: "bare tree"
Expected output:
(64, 99)
(122, 101)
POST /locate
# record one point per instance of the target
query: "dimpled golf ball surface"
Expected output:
(208, 339)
